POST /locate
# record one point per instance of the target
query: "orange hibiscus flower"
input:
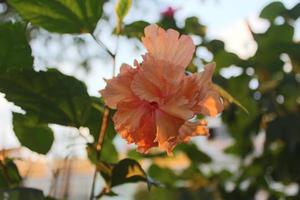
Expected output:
(156, 101)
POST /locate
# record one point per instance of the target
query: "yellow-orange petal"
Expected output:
(168, 46)
(118, 88)
(211, 104)
(193, 128)
(203, 97)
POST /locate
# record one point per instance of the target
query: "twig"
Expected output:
(105, 118)
(104, 125)
(103, 46)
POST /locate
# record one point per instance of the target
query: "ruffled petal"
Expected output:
(178, 106)
(168, 46)
(199, 90)
(193, 128)
(135, 122)
(167, 128)
(153, 82)
(211, 104)
(118, 88)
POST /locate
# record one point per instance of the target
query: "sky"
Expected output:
(225, 20)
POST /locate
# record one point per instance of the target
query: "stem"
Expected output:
(104, 46)
(104, 125)
(105, 119)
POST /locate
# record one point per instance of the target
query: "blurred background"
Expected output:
(252, 155)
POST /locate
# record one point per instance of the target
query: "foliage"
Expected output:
(15, 52)
(51, 97)
(122, 9)
(61, 16)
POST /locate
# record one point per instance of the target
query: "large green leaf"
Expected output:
(15, 52)
(48, 97)
(127, 171)
(271, 46)
(37, 137)
(61, 16)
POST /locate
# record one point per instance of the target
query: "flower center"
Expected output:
(154, 104)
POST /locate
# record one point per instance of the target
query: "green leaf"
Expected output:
(122, 8)
(165, 175)
(294, 13)
(192, 26)
(271, 46)
(9, 174)
(194, 154)
(125, 171)
(222, 57)
(21, 193)
(135, 29)
(61, 16)
(15, 52)
(273, 10)
(48, 97)
(224, 94)
(37, 137)
(128, 171)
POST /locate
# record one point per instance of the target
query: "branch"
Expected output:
(104, 46)
(104, 125)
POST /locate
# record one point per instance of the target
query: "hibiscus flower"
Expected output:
(156, 101)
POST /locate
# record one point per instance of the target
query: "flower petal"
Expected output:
(153, 82)
(167, 128)
(135, 122)
(203, 97)
(168, 46)
(210, 102)
(178, 106)
(190, 129)
(211, 105)
(118, 88)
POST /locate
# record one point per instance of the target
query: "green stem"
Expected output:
(104, 46)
